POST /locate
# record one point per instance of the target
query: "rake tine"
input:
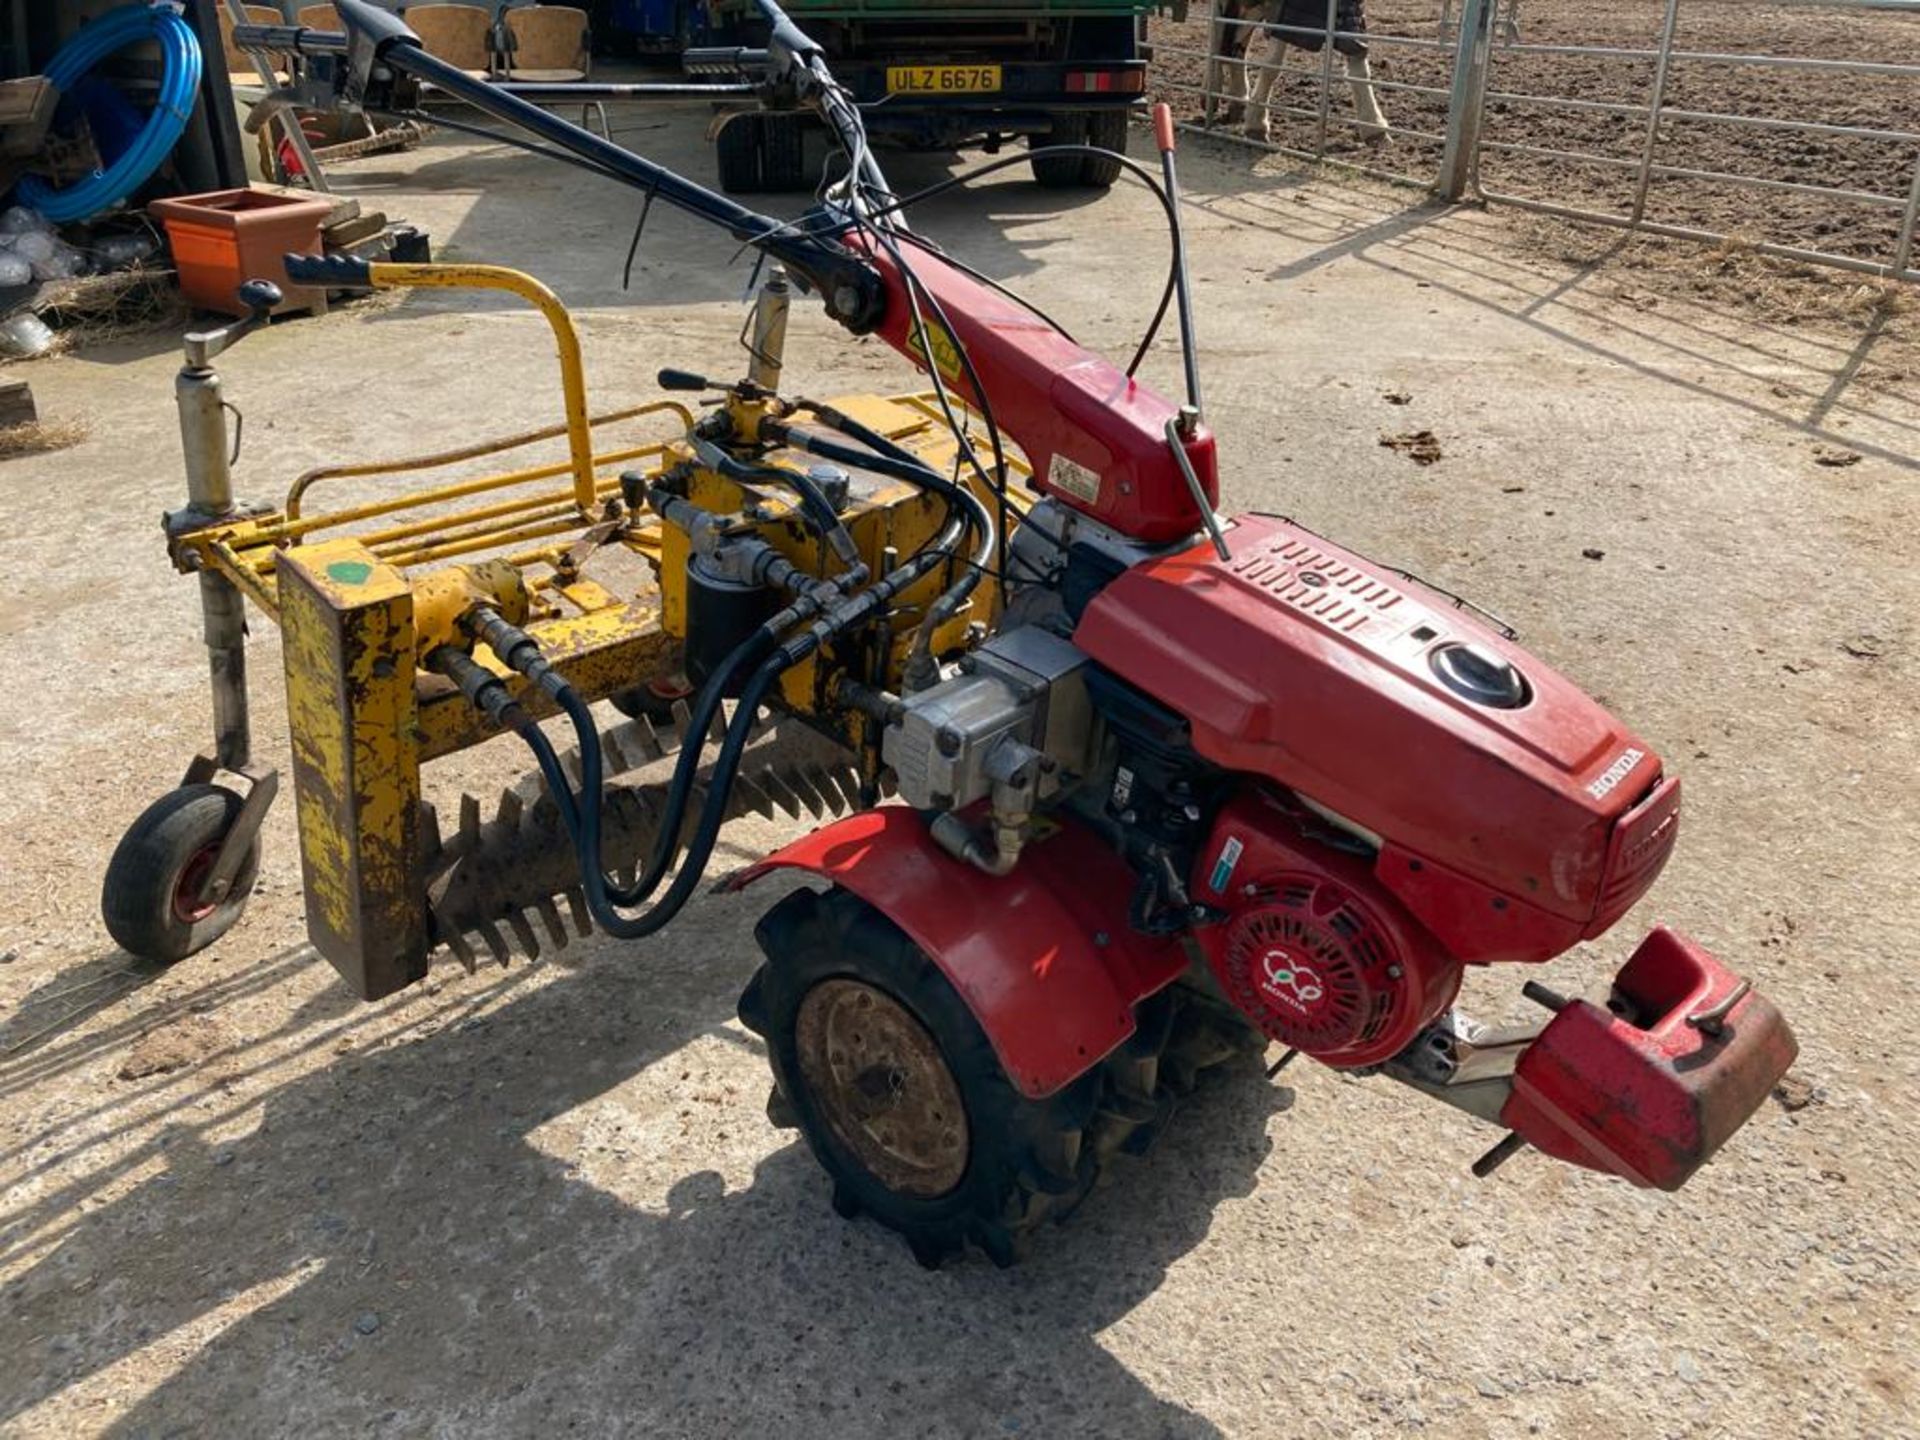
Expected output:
(577, 906)
(462, 951)
(496, 942)
(550, 917)
(523, 932)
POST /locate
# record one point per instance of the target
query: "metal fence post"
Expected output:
(1903, 247)
(1466, 105)
(1660, 66)
(1326, 76)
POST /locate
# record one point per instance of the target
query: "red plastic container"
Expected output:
(226, 236)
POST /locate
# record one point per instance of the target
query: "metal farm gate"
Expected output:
(1789, 128)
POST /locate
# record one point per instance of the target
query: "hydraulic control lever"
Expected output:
(261, 297)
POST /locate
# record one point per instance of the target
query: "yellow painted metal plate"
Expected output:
(943, 79)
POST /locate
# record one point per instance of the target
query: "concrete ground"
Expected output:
(235, 1201)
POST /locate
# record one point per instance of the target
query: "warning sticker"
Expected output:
(1075, 479)
(946, 350)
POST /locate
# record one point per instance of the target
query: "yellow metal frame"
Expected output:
(601, 642)
(366, 590)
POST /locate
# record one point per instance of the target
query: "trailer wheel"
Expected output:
(1060, 172)
(737, 151)
(1108, 129)
(763, 152)
(148, 899)
(1104, 128)
(783, 154)
(880, 1063)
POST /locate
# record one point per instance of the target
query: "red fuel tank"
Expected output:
(1514, 815)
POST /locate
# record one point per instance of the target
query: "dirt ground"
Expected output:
(236, 1202)
(1867, 165)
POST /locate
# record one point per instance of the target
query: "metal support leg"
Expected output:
(203, 436)
(1466, 107)
(223, 622)
(770, 330)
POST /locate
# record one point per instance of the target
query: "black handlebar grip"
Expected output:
(684, 380)
(333, 272)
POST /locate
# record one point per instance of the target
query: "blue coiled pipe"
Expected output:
(179, 89)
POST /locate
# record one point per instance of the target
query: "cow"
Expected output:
(1231, 43)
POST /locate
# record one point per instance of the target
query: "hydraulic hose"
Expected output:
(179, 90)
(920, 670)
(582, 817)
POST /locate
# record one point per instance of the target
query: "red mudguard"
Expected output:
(1650, 1087)
(1043, 957)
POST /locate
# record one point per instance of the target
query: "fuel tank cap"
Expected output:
(1483, 676)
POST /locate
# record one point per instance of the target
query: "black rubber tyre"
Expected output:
(1025, 1161)
(1108, 129)
(1060, 172)
(763, 153)
(737, 152)
(783, 153)
(159, 863)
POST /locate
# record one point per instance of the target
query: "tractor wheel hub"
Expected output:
(883, 1087)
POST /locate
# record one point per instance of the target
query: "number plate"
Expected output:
(942, 79)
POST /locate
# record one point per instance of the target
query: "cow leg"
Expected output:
(1373, 123)
(1257, 114)
(1226, 98)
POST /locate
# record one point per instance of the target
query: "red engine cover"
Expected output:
(1509, 833)
(1314, 952)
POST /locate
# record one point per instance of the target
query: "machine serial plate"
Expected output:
(942, 79)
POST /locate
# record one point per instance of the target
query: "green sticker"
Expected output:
(349, 572)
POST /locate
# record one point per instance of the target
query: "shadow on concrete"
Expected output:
(1655, 321)
(430, 1262)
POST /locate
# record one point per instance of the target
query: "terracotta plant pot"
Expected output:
(226, 236)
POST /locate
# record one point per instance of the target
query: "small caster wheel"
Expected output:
(151, 898)
(654, 700)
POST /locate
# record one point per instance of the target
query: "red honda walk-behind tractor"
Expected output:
(1166, 787)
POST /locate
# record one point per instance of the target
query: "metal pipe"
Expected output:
(1653, 109)
(590, 91)
(333, 519)
(850, 284)
(1711, 117)
(1719, 57)
(203, 438)
(564, 526)
(1391, 177)
(573, 384)
(1183, 290)
(1466, 107)
(1903, 247)
(1682, 172)
(1326, 78)
(1684, 232)
(289, 118)
(296, 494)
(769, 331)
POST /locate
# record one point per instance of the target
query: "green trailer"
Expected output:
(937, 77)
